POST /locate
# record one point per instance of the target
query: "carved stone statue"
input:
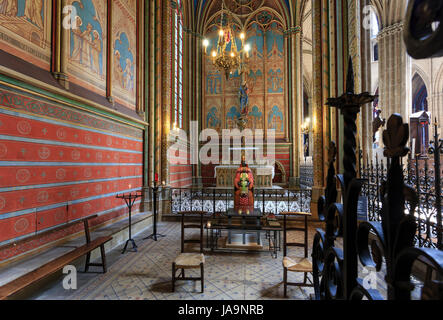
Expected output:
(244, 189)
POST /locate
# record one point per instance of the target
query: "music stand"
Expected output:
(130, 200)
(155, 235)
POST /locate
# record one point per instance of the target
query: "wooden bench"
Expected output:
(59, 263)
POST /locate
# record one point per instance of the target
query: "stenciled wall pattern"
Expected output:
(265, 80)
(58, 164)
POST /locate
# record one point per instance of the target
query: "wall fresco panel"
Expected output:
(87, 44)
(25, 30)
(124, 37)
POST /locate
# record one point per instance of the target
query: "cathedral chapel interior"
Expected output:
(221, 150)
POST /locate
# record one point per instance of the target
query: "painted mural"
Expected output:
(25, 30)
(265, 78)
(124, 36)
(87, 44)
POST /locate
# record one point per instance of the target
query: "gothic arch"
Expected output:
(438, 83)
(416, 70)
(419, 94)
(282, 170)
(389, 12)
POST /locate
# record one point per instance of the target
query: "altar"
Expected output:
(263, 175)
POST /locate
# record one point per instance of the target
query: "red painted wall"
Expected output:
(57, 165)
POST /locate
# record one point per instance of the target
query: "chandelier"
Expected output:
(228, 58)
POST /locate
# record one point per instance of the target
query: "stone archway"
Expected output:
(279, 173)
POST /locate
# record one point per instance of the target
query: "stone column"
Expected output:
(435, 106)
(60, 69)
(394, 72)
(167, 52)
(297, 103)
(317, 107)
(366, 82)
(166, 88)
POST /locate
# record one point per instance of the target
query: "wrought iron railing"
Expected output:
(215, 200)
(349, 258)
(423, 175)
(306, 175)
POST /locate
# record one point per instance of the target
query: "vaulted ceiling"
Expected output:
(197, 12)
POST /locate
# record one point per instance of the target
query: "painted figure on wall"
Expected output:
(86, 45)
(213, 83)
(96, 51)
(124, 59)
(212, 120)
(275, 81)
(9, 7)
(25, 27)
(256, 115)
(231, 117)
(275, 119)
(33, 12)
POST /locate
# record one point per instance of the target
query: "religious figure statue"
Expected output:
(244, 98)
(244, 189)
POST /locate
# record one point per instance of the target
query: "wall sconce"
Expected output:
(305, 128)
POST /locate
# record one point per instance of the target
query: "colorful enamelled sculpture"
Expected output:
(244, 189)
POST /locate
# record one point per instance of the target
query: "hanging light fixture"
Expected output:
(228, 60)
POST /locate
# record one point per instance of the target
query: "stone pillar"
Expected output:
(197, 60)
(149, 89)
(435, 106)
(325, 84)
(366, 82)
(60, 69)
(166, 80)
(297, 104)
(317, 107)
(394, 72)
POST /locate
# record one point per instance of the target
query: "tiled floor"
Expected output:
(146, 274)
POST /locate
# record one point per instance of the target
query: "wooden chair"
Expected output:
(188, 260)
(294, 263)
